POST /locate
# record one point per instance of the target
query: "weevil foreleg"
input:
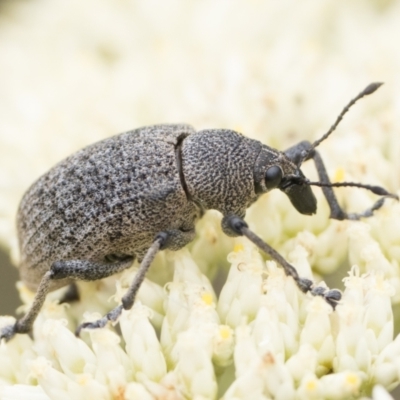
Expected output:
(129, 297)
(337, 211)
(238, 226)
(296, 153)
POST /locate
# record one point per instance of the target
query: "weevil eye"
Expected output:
(273, 177)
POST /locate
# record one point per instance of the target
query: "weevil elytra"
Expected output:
(142, 191)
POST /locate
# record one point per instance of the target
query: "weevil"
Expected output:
(130, 196)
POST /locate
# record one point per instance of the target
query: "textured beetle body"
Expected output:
(113, 197)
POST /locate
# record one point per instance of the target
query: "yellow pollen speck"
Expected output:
(211, 235)
(238, 248)
(207, 298)
(225, 332)
(311, 386)
(339, 175)
(82, 379)
(268, 358)
(352, 379)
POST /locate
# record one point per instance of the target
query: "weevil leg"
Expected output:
(296, 152)
(233, 224)
(24, 325)
(88, 270)
(337, 211)
(128, 299)
(75, 269)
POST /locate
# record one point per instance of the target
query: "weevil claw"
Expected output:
(112, 316)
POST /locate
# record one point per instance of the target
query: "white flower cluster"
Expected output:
(261, 338)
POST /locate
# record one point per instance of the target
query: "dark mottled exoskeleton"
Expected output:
(142, 191)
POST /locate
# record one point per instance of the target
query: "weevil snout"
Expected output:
(300, 194)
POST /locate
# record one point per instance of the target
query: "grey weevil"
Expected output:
(130, 196)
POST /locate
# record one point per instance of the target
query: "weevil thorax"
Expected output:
(218, 170)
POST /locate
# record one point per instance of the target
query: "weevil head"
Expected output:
(277, 171)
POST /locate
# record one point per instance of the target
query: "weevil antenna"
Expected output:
(371, 88)
(380, 191)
